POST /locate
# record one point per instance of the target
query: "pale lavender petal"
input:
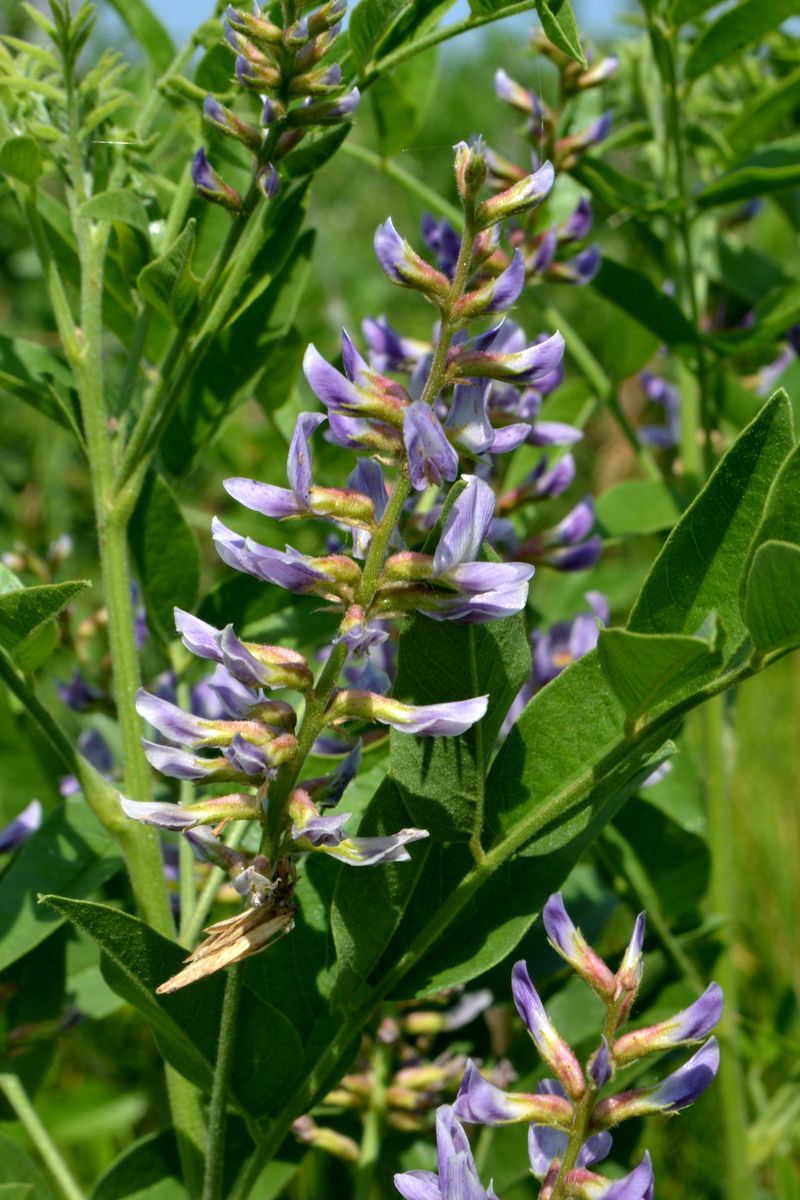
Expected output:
(170, 720)
(331, 387)
(431, 458)
(178, 764)
(479, 608)
(579, 222)
(508, 285)
(198, 636)
(544, 1145)
(162, 815)
(244, 756)
(449, 719)
(390, 250)
(467, 420)
(242, 665)
(418, 1185)
(276, 502)
(286, 569)
(595, 1149)
(583, 267)
(235, 699)
(466, 526)
(21, 828)
(554, 433)
(576, 558)
(509, 438)
(299, 463)
(600, 1067)
(475, 577)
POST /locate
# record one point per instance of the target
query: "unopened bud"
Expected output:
(470, 168)
(212, 186)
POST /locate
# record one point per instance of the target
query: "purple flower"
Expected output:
(457, 1177)
(468, 423)
(546, 1144)
(600, 1066)
(578, 270)
(519, 198)
(443, 240)
(388, 351)
(280, 502)
(181, 764)
(327, 790)
(578, 223)
(511, 92)
(96, 750)
(658, 391)
(326, 834)
(692, 1024)
(482, 1103)
(525, 366)
(178, 817)
(404, 266)
(638, 1185)
(212, 186)
(567, 641)
(21, 828)
(569, 942)
(677, 1091)
(78, 693)
(448, 719)
(431, 458)
(551, 1046)
(288, 569)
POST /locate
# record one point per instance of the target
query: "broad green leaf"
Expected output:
(149, 1168)
(613, 188)
(567, 742)
(734, 30)
(668, 866)
(770, 169)
(781, 521)
(369, 21)
(640, 298)
(558, 23)
(688, 10)
(71, 852)
(637, 506)
(31, 373)
(767, 109)
(168, 282)
(772, 598)
(36, 648)
(702, 563)
(166, 556)
(399, 102)
(118, 204)
(17, 1169)
(186, 1023)
(240, 355)
(26, 609)
(649, 670)
(16, 1191)
(313, 154)
(21, 158)
(147, 30)
(442, 780)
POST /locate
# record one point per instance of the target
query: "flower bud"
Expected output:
(227, 122)
(519, 198)
(677, 1091)
(552, 1047)
(470, 168)
(337, 1144)
(211, 186)
(404, 266)
(267, 181)
(690, 1025)
(325, 112)
(260, 31)
(569, 942)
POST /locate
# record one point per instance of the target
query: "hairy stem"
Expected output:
(218, 1109)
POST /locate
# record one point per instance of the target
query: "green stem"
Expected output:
(384, 65)
(17, 1097)
(218, 1109)
(577, 1137)
(415, 187)
(718, 750)
(374, 1121)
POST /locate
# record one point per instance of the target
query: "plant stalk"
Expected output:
(17, 1097)
(218, 1109)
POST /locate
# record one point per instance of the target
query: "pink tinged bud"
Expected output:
(480, 1102)
(502, 171)
(211, 186)
(677, 1091)
(569, 942)
(498, 295)
(690, 1025)
(326, 834)
(585, 1185)
(629, 975)
(237, 807)
(256, 76)
(449, 719)
(254, 27)
(513, 93)
(227, 122)
(599, 73)
(531, 365)
(268, 181)
(404, 266)
(552, 1047)
(519, 198)
(316, 83)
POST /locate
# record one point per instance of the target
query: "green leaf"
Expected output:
(615, 189)
(168, 282)
(315, 152)
(148, 31)
(649, 670)
(399, 101)
(781, 521)
(18, 1170)
(637, 506)
(32, 374)
(442, 780)
(703, 561)
(767, 109)
(71, 852)
(16, 1191)
(25, 609)
(35, 991)
(772, 598)
(642, 300)
(243, 353)
(734, 30)
(667, 861)
(369, 21)
(21, 158)
(689, 10)
(558, 23)
(772, 169)
(166, 556)
(149, 1168)
(186, 1023)
(118, 204)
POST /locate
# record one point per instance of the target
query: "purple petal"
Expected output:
(509, 438)
(480, 608)
(390, 250)
(554, 433)
(418, 1185)
(286, 569)
(264, 498)
(162, 815)
(299, 464)
(467, 420)
(332, 388)
(480, 1102)
(198, 636)
(595, 1149)
(180, 764)
(689, 1025)
(600, 1067)
(233, 699)
(466, 526)
(21, 828)
(449, 719)
(508, 285)
(545, 251)
(431, 458)
(247, 758)
(579, 222)
(576, 558)
(545, 1145)
(170, 720)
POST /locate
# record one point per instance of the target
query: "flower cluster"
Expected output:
(570, 1115)
(288, 71)
(447, 418)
